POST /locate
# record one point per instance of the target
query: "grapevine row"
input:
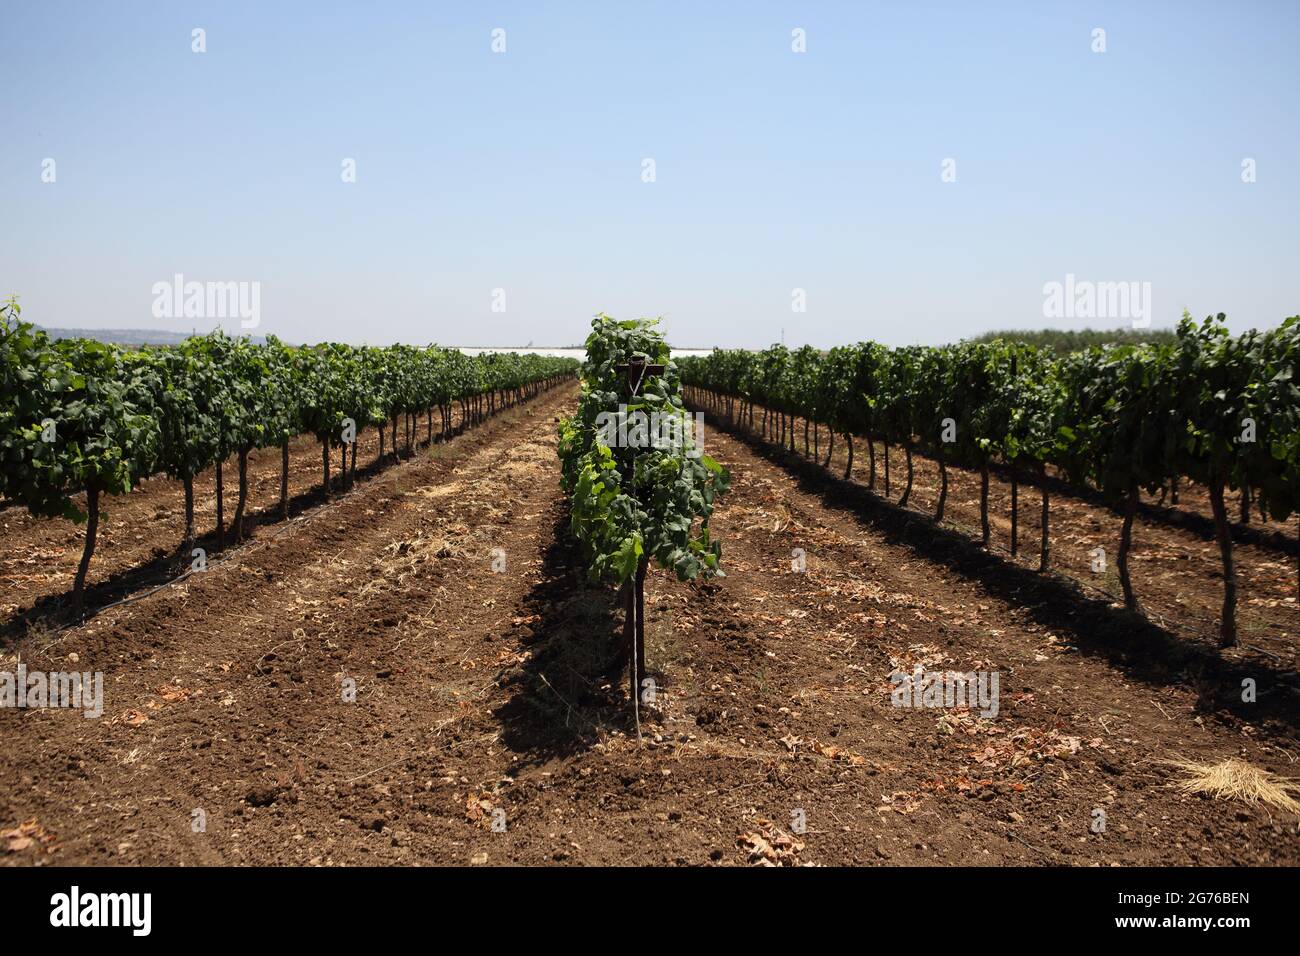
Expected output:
(639, 483)
(79, 416)
(1219, 409)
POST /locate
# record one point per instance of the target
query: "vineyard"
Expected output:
(83, 418)
(516, 437)
(638, 498)
(358, 605)
(1208, 407)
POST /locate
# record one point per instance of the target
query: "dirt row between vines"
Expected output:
(139, 533)
(1176, 571)
(491, 725)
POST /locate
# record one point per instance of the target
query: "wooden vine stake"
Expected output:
(634, 373)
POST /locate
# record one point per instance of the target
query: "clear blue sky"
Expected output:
(775, 170)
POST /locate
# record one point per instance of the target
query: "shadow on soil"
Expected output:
(570, 692)
(164, 568)
(50, 613)
(1139, 647)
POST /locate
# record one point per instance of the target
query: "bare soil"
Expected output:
(140, 533)
(491, 723)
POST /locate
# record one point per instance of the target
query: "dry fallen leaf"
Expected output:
(831, 752)
(768, 846)
(478, 809)
(27, 834)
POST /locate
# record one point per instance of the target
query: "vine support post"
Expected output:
(237, 525)
(187, 543)
(635, 371)
(1044, 549)
(325, 467)
(87, 552)
(629, 628)
(1228, 620)
(984, 501)
(221, 514)
(943, 486)
(1126, 545)
(284, 479)
(1015, 484)
(907, 491)
(638, 649)
(1015, 512)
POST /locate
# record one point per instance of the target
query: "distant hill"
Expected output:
(134, 337)
(1064, 341)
